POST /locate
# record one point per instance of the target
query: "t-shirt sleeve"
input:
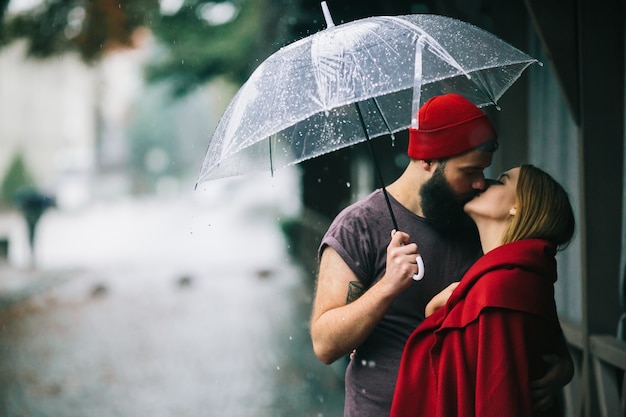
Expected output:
(350, 237)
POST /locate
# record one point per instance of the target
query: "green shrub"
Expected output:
(17, 178)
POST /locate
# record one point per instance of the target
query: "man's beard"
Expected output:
(443, 208)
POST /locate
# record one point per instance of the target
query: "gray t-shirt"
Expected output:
(360, 234)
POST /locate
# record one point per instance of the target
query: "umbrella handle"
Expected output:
(327, 16)
(420, 268)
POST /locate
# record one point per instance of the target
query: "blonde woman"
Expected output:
(477, 355)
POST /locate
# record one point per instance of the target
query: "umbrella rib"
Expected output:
(382, 116)
(377, 166)
(271, 162)
(435, 47)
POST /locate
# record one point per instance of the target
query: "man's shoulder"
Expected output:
(361, 217)
(371, 202)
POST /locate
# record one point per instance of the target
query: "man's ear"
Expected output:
(513, 211)
(427, 165)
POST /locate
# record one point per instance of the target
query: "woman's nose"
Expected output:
(489, 182)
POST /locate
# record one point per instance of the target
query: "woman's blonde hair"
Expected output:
(543, 209)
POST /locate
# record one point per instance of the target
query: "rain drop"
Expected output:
(290, 337)
(364, 362)
(348, 184)
(278, 368)
(371, 364)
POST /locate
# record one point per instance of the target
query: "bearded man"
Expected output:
(367, 302)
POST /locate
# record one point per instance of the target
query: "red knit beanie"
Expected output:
(449, 125)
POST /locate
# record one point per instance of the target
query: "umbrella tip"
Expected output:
(327, 16)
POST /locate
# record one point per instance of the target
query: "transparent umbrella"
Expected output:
(352, 82)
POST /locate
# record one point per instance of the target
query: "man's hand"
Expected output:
(401, 261)
(544, 390)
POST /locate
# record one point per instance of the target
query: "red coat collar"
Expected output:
(494, 281)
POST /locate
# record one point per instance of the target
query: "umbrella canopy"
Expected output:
(300, 102)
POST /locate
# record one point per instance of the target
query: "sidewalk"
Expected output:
(179, 308)
(19, 284)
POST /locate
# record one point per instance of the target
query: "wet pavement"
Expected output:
(175, 307)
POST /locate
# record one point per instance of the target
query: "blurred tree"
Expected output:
(88, 27)
(152, 141)
(197, 40)
(17, 178)
(4, 4)
(205, 39)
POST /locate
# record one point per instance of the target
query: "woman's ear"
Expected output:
(513, 211)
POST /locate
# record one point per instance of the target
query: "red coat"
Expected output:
(477, 355)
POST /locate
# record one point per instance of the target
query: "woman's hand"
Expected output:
(440, 299)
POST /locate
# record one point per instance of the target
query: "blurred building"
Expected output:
(67, 120)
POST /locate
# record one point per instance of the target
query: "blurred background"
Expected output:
(125, 291)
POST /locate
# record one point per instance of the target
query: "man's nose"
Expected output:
(480, 184)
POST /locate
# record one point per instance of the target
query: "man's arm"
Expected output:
(545, 391)
(343, 313)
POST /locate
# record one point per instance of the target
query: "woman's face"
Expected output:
(497, 202)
